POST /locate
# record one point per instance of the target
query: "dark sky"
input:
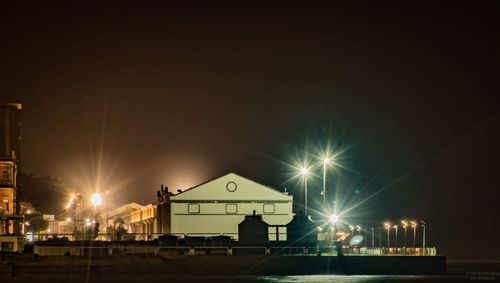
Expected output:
(138, 95)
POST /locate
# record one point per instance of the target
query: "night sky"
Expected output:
(135, 96)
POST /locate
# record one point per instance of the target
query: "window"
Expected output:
(193, 208)
(231, 208)
(231, 186)
(269, 208)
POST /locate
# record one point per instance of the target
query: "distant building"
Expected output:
(10, 152)
(123, 212)
(143, 222)
(10, 132)
(217, 207)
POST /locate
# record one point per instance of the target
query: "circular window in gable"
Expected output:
(231, 186)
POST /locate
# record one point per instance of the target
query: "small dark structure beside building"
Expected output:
(253, 231)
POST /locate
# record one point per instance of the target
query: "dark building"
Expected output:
(253, 231)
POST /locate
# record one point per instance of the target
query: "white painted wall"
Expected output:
(223, 204)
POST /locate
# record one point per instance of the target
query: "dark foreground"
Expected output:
(209, 269)
(22, 268)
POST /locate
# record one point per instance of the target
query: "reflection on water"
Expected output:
(360, 278)
(243, 279)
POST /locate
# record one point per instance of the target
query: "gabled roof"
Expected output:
(211, 180)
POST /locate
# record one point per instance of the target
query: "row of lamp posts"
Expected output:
(405, 224)
(388, 226)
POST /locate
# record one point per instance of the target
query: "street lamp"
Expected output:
(326, 161)
(404, 223)
(352, 229)
(96, 199)
(373, 239)
(333, 218)
(396, 240)
(387, 225)
(106, 196)
(379, 238)
(70, 201)
(360, 232)
(414, 226)
(304, 172)
(423, 236)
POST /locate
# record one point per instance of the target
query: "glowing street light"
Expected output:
(396, 240)
(71, 201)
(404, 223)
(423, 236)
(387, 225)
(333, 218)
(414, 226)
(96, 199)
(305, 172)
(359, 229)
(326, 161)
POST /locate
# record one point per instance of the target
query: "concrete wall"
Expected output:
(11, 243)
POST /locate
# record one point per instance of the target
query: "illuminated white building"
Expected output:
(218, 206)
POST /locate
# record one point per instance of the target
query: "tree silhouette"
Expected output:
(36, 223)
(45, 193)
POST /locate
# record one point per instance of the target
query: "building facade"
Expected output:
(218, 206)
(143, 223)
(10, 152)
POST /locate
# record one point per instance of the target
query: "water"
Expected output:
(362, 278)
(252, 279)
(457, 272)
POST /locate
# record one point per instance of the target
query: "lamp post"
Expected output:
(326, 161)
(360, 230)
(304, 172)
(404, 223)
(414, 226)
(373, 240)
(387, 226)
(96, 200)
(379, 238)
(106, 196)
(423, 236)
(334, 218)
(352, 230)
(396, 240)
